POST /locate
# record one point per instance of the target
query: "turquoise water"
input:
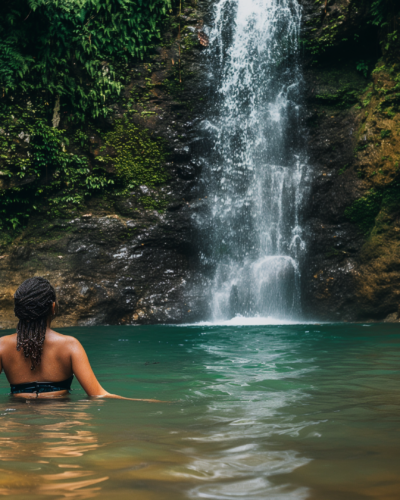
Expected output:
(257, 412)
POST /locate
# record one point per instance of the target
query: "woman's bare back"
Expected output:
(55, 366)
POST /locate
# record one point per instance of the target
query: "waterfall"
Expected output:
(255, 168)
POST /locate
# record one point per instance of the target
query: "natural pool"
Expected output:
(258, 412)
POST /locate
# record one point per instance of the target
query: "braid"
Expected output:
(33, 302)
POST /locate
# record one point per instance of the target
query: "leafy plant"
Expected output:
(363, 67)
(379, 9)
(49, 178)
(66, 49)
(392, 38)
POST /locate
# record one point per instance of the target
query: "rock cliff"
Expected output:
(352, 220)
(124, 256)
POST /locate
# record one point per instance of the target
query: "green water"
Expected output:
(258, 412)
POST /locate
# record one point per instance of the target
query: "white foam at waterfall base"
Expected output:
(246, 321)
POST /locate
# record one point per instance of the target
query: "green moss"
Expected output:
(190, 41)
(138, 157)
(344, 97)
(339, 85)
(366, 209)
(151, 203)
(332, 252)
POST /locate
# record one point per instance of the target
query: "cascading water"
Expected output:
(255, 170)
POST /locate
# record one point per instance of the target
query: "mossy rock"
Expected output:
(338, 87)
(138, 157)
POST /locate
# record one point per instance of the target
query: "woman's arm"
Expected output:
(84, 373)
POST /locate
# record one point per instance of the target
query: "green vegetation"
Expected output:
(138, 158)
(353, 48)
(390, 97)
(62, 64)
(361, 147)
(345, 97)
(338, 85)
(325, 32)
(364, 211)
(38, 172)
(363, 67)
(50, 179)
(382, 13)
(151, 203)
(62, 49)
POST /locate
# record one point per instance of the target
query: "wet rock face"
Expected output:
(108, 269)
(352, 218)
(128, 258)
(332, 240)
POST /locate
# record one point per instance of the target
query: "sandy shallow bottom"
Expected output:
(256, 412)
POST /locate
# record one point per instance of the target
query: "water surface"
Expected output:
(277, 412)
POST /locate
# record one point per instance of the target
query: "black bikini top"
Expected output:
(39, 387)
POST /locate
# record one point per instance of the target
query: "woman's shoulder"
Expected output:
(5, 339)
(64, 343)
(8, 341)
(60, 338)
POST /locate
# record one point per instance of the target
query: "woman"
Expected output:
(39, 362)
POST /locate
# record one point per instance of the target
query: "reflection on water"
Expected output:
(245, 419)
(278, 412)
(35, 431)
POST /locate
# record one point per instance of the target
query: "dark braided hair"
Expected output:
(33, 303)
